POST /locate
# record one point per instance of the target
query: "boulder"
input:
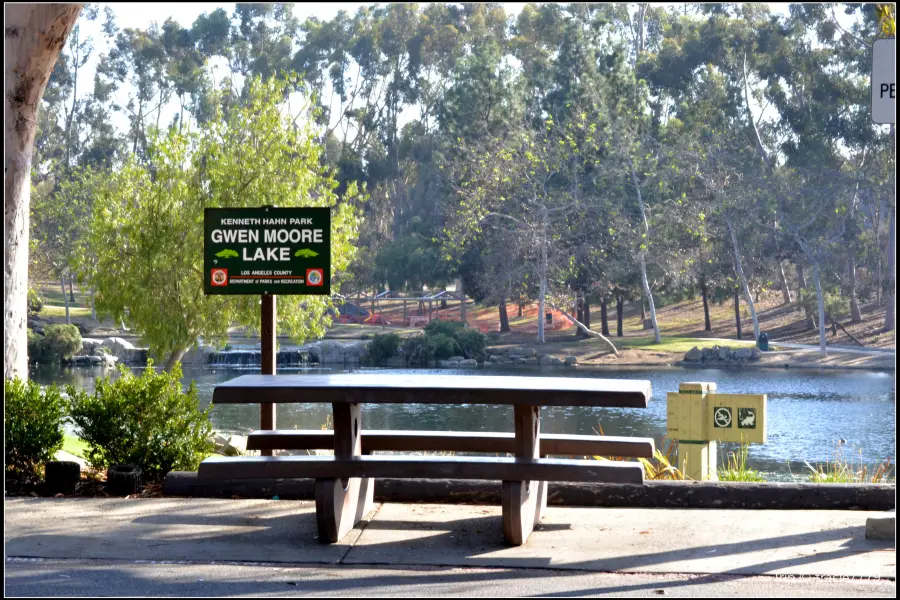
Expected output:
(108, 360)
(456, 358)
(544, 359)
(743, 354)
(198, 355)
(707, 354)
(354, 351)
(754, 353)
(724, 353)
(395, 361)
(96, 360)
(519, 360)
(555, 360)
(533, 360)
(238, 442)
(450, 364)
(315, 353)
(693, 355)
(524, 352)
(468, 362)
(90, 345)
(571, 361)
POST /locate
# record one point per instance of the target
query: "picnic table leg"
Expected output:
(341, 503)
(523, 501)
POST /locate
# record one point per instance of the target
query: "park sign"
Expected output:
(267, 250)
(884, 81)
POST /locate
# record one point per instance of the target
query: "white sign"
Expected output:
(884, 81)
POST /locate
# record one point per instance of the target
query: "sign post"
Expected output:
(884, 81)
(267, 251)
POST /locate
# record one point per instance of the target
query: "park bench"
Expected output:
(344, 482)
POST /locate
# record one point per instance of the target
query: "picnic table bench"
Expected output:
(344, 485)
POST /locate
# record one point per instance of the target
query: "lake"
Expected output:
(809, 411)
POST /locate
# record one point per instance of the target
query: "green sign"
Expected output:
(722, 416)
(267, 250)
(746, 418)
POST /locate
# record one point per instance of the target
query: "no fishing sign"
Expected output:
(267, 250)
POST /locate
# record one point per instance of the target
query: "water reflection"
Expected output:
(809, 410)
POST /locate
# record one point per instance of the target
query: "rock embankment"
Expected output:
(721, 355)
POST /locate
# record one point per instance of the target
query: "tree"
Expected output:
(147, 228)
(35, 34)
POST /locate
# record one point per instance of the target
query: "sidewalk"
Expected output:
(623, 540)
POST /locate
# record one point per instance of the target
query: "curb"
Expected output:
(653, 494)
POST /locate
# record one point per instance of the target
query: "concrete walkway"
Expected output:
(622, 540)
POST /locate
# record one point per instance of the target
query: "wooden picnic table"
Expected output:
(344, 486)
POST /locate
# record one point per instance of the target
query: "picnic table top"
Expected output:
(387, 388)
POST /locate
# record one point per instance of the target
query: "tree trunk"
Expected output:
(737, 314)
(604, 323)
(462, 303)
(801, 278)
(579, 314)
(35, 35)
(644, 282)
(643, 309)
(738, 267)
(521, 308)
(581, 326)
(542, 295)
(71, 289)
(785, 289)
(93, 306)
(620, 306)
(889, 312)
(176, 356)
(821, 302)
(649, 295)
(586, 303)
(62, 284)
(707, 324)
(855, 313)
(504, 318)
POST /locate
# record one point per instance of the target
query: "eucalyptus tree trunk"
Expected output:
(176, 356)
(889, 312)
(62, 284)
(72, 289)
(34, 36)
(855, 313)
(604, 322)
(504, 318)
(707, 324)
(739, 268)
(542, 277)
(644, 282)
(619, 310)
(737, 314)
(785, 289)
(93, 306)
(823, 350)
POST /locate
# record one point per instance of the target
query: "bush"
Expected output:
(149, 421)
(59, 342)
(442, 346)
(32, 420)
(417, 351)
(471, 343)
(447, 328)
(35, 302)
(35, 346)
(382, 347)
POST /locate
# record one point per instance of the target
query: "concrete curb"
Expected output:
(653, 494)
(881, 527)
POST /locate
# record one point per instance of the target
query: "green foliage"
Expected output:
(417, 351)
(442, 346)
(736, 467)
(33, 425)
(251, 155)
(382, 347)
(35, 302)
(471, 343)
(227, 253)
(843, 470)
(147, 420)
(306, 253)
(59, 342)
(448, 328)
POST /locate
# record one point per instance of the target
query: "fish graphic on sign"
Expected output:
(746, 418)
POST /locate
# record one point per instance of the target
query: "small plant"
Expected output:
(149, 421)
(659, 467)
(736, 467)
(33, 425)
(382, 347)
(35, 302)
(841, 470)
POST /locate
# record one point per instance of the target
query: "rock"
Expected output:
(530, 361)
(555, 360)
(754, 353)
(571, 360)
(395, 361)
(518, 360)
(96, 360)
(456, 358)
(707, 354)
(90, 345)
(743, 354)
(693, 355)
(724, 353)
(109, 360)
(468, 362)
(544, 359)
(315, 353)
(451, 364)
(220, 440)
(881, 527)
(198, 355)
(525, 352)
(353, 352)
(238, 442)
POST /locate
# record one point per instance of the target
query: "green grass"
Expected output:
(675, 344)
(60, 311)
(843, 470)
(736, 467)
(75, 445)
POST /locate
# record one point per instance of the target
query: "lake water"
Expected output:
(809, 411)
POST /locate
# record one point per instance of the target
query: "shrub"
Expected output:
(32, 420)
(442, 346)
(59, 342)
(382, 347)
(471, 343)
(447, 328)
(35, 346)
(149, 421)
(35, 302)
(417, 351)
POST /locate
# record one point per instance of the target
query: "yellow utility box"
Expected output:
(698, 417)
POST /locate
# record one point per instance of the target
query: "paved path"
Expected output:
(445, 548)
(831, 348)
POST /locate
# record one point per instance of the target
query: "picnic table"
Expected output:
(344, 483)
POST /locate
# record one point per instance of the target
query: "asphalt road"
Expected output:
(105, 578)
